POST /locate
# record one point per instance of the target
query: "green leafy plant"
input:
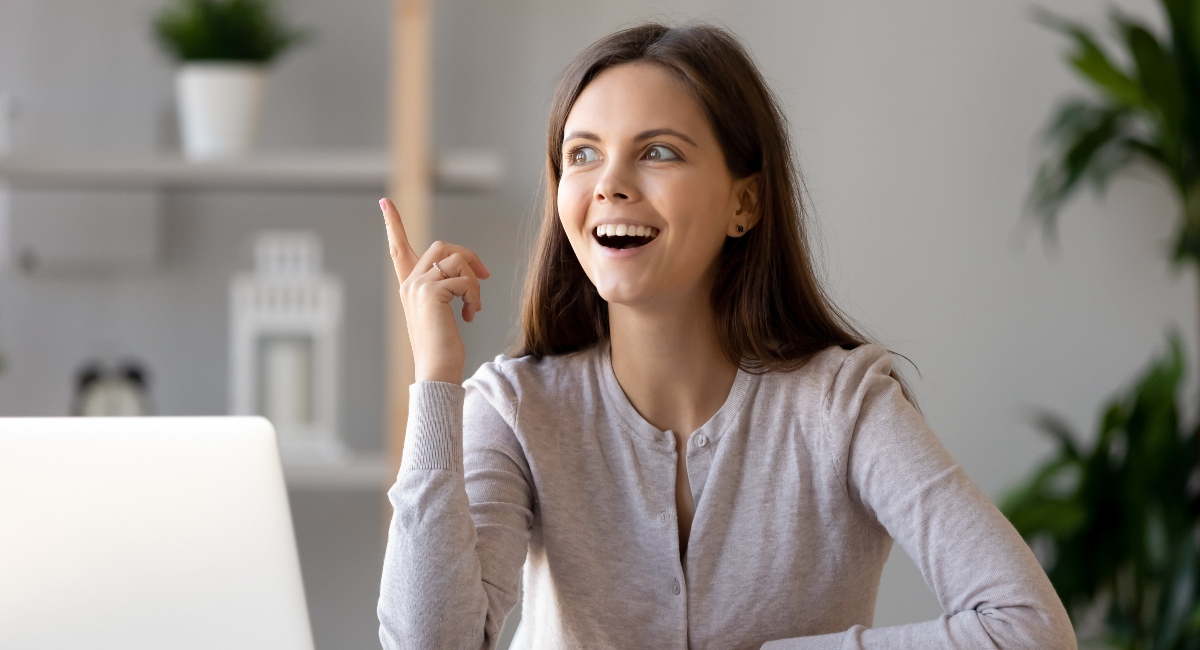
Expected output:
(226, 30)
(1116, 524)
(1145, 111)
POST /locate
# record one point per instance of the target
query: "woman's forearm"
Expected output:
(434, 591)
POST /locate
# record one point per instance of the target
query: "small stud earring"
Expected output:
(740, 228)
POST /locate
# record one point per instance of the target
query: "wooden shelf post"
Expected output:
(410, 184)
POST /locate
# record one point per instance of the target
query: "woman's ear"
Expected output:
(746, 214)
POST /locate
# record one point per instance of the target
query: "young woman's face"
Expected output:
(645, 197)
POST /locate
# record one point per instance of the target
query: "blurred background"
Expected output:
(915, 125)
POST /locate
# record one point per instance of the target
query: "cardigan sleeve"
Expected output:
(462, 511)
(990, 586)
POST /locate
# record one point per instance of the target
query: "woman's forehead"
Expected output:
(631, 98)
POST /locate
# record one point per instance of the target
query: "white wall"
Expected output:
(915, 125)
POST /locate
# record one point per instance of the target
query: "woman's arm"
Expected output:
(900, 477)
(458, 538)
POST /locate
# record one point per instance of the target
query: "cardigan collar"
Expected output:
(716, 427)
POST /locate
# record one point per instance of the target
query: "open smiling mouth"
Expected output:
(613, 235)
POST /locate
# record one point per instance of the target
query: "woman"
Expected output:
(693, 448)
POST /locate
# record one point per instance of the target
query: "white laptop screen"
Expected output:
(146, 533)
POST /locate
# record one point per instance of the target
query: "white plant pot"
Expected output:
(220, 107)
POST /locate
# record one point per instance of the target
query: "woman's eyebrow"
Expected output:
(644, 135)
(586, 135)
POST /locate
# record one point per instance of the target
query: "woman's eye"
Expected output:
(659, 152)
(583, 155)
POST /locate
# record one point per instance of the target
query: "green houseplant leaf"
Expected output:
(226, 30)
(1161, 84)
(1120, 517)
(1149, 112)
(1092, 62)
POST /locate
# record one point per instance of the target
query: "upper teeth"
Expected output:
(625, 230)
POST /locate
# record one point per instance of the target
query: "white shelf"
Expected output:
(300, 170)
(333, 170)
(355, 472)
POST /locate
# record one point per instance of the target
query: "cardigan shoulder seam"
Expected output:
(841, 466)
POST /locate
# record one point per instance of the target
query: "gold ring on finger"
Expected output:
(439, 270)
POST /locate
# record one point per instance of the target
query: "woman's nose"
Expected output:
(615, 184)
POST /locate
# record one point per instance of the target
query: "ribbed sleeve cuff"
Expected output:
(434, 438)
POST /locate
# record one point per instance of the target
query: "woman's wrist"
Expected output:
(445, 375)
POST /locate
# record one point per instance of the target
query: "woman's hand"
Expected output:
(427, 285)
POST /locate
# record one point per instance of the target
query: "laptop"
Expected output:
(153, 532)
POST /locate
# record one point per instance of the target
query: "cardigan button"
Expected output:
(675, 587)
(700, 440)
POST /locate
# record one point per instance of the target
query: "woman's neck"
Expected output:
(670, 364)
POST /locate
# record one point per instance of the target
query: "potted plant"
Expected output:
(224, 48)
(1117, 525)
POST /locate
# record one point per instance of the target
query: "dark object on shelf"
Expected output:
(117, 390)
(1116, 524)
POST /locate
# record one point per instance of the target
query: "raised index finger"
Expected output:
(403, 256)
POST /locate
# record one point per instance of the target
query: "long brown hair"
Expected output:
(772, 313)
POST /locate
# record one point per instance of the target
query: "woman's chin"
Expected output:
(619, 294)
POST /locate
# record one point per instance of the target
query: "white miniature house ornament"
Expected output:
(285, 338)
